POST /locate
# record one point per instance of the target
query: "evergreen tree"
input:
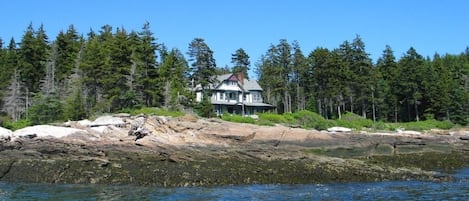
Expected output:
(31, 62)
(203, 70)
(411, 69)
(92, 67)
(67, 47)
(115, 83)
(203, 65)
(174, 78)
(146, 66)
(240, 61)
(362, 78)
(389, 85)
(270, 78)
(299, 77)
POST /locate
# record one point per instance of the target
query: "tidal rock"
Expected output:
(45, 131)
(108, 121)
(5, 134)
(339, 129)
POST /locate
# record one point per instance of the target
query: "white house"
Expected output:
(234, 94)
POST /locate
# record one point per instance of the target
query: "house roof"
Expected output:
(247, 85)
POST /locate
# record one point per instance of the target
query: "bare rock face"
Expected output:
(339, 129)
(108, 121)
(42, 131)
(5, 134)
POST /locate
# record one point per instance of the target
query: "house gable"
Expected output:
(235, 94)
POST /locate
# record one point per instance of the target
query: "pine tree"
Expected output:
(174, 78)
(362, 79)
(146, 66)
(92, 66)
(411, 67)
(203, 66)
(240, 61)
(388, 87)
(67, 46)
(299, 77)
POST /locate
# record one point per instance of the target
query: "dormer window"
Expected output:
(233, 83)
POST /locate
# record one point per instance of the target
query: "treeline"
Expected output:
(344, 79)
(109, 70)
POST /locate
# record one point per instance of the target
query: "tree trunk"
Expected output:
(395, 113)
(298, 99)
(373, 106)
(319, 107)
(338, 111)
(167, 96)
(351, 103)
(416, 110)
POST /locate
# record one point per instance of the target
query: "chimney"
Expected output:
(241, 77)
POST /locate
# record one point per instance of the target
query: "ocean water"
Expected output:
(391, 190)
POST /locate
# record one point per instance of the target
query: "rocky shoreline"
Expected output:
(188, 151)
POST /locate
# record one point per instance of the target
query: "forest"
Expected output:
(76, 76)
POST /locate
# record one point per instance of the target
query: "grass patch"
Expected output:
(273, 118)
(351, 120)
(238, 119)
(424, 125)
(308, 119)
(17, 125)
(154, 111)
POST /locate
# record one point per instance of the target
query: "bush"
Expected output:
(17, 125)
(427, 125)
(272, 117)
(238, 119)
(308, 119)
(154, 111)
(351, 120)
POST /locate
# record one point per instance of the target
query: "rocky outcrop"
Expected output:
(191, 151)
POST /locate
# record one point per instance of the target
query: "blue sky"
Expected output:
(427, 25)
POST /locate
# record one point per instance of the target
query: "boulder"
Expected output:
(5, 134)
(44, 131)
(108, 121)
(85, 123)
(337, 129)
(403, 131)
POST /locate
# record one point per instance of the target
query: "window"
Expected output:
(233, 84)
(256, 97)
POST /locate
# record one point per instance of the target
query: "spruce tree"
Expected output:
(241, 63)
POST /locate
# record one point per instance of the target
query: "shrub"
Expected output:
(238, 119)
(272, 117)
(310, 119)
(351, 120)
(427, 125)
(17, 125)
(154, 111)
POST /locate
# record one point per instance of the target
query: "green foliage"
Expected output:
(120, 69)
(205, 108)
(426, 125)
(351, 120)
(238, 119)
(75, 108)
(17, 125)
(154, 111)
(47, 109)
(272, 117)
(308, 119)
